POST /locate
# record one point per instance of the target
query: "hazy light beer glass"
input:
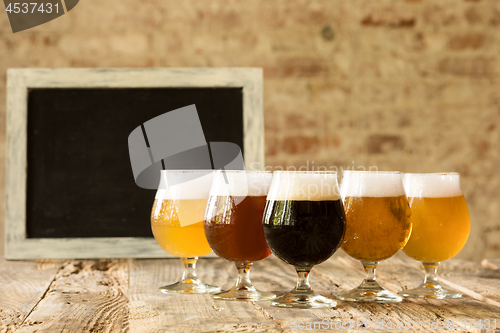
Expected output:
(378, 225)
(441, 226)
(177, 223)
(233, 226)
(303, 225)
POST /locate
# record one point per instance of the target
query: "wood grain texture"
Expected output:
(344, 273)
(200, 313)
(19, 81)
(468, 277)
(401, 272)
(153, 311)
(22, 285)
(85, 296)
(123, 296)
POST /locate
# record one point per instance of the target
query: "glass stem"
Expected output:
(370, 268)
(430, 280)
(303, 279)
(243, 282)
(189, 275)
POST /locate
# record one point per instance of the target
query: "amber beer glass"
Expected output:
(303, 225)
(177, 223)
(441, 226)
(378, 225)
(233, 226)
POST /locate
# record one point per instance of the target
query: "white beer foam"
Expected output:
(240, 183)
(432, 185)
(372, 184)
(304, 186)
(184, 184)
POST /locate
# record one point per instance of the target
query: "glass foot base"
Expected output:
(369, 293)
(243, 294)
(295, 299)
(434, 291)
(195, 287)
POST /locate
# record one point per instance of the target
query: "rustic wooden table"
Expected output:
(122, 295)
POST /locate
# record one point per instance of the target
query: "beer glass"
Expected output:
(441, 226)
(177, 223)
(303, 226)
(378, 225)
(233, 226)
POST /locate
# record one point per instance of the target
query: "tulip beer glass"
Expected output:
(303, 225)
(177, 223)
(233, 226)
(441, 226)
(378, 225)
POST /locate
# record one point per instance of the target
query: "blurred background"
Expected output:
(409, 85)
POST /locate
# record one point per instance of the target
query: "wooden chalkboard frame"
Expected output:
(19, 81)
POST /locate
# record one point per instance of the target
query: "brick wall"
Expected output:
(400, 85)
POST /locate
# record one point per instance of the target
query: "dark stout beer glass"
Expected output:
(233, 226)
(303, 225)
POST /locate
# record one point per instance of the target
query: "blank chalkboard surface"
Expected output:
(70, 188)
(80, 181)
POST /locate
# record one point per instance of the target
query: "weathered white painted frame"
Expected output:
(19, 81)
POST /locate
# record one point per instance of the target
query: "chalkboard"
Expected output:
(70, 127)
(78, 159)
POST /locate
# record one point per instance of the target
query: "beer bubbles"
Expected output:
(441, 226)
(177, 223)
(378, 225)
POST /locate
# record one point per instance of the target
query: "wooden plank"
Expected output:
(398, 271)
(22, 285)
(476, 278)
(85, 296)
(334, 276)
(468, 277)
(343, 273)
(121, 295)
(152, 311)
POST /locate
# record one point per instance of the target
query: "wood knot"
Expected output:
(327, 33)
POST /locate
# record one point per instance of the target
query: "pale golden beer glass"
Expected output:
(177, 223)
(378, 225)
(441, 226)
